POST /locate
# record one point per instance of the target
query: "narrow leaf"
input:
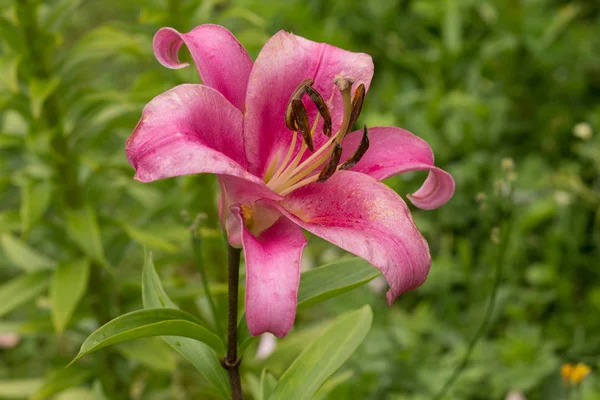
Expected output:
(39, 91)
(320, 284)
(82, 227)
(59, 380)
(22, 255)
(150, 322)
(323, 283)
(22, 289)
(324, 356)
(69, 284)
(35, 198)
(148, 239)
(200, 355)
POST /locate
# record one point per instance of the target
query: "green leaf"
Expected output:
(149, 322)
(19, 388)
(320, 284)
(59, 380)
(9, 68)
(82, 227)
(323, 283)
(22, 255)
(267, 384)
(22, 289)
(161, 358)
(35, 199)
(39, 91)
(148, 239)
(69, 284)
(324, 356)
(200, 355)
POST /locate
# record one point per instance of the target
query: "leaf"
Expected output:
(320, 284)
(35, 199)
(39, 91)
(69, 284)
(82, 227)
(145, 323)
(161, 358)
(148, 239)
(22, 255)
(200, 355)
(324, 356)
(19, 388)
(328, 281)
(9, 68)
(267, 384)
(59, 380)
(22, 289)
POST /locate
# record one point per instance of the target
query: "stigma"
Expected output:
(285, 175)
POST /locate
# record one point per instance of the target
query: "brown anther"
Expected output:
(332, 164)
(359, 152)
(322, 107)
(290, 120)
(357, 103)
(301, 118)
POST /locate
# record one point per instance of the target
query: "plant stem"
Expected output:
(488, 313)
(232, 363)
(197, 250)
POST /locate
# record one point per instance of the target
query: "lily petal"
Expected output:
(393, 151)
(222, 62)
(240, 191)
(283, 63)
(368, 219)
(272, 276)
(189, 129)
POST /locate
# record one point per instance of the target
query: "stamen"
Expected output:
(290, 121)
(359, 152)
(357, 103)
(302, 121)
(322, 107)
(331, 166)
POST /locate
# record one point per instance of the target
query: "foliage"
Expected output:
(481, 81)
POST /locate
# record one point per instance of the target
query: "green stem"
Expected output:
(483, 327)
(197, 249)
(232, 363)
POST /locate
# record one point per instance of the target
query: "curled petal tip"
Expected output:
(166, 44)
(436, 191)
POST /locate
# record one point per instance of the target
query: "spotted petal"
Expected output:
(189, 129)
(272, 276)
(222, 62)
(368, 219)
(283, 63)
(393, 151)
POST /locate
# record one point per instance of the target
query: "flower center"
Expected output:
(285, 176)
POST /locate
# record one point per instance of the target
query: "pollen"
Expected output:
(247, 216)
(287, 174)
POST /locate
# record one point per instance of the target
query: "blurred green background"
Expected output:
(506, 92)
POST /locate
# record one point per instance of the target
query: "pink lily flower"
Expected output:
(276, 133)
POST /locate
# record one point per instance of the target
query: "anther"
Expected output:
(359, 152)
(290, 120)
(322, 107)
(331, 166)
(357, 103)
(301, 119)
